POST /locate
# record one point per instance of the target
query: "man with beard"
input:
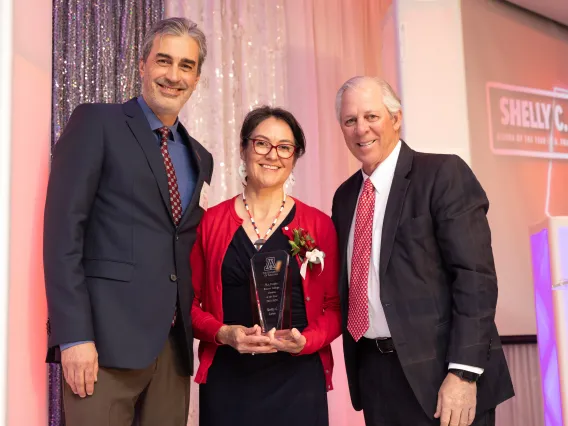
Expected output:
(127, 190)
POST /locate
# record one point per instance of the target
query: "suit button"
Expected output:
(177, 237)
(308, 299)
(326, 371)
(173, 277)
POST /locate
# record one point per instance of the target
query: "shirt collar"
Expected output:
(153, 120)
(382, 177)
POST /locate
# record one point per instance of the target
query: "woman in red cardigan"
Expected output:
(248, 377)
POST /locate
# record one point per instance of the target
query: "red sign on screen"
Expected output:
(527, 122)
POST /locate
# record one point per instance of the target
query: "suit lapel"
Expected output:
(201, 173)
(143, 133)
(394, 206)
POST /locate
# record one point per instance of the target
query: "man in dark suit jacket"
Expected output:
(127, 190)
(417, 283)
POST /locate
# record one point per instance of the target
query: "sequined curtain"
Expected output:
(96, 47)
(290, 53)
(245, 67)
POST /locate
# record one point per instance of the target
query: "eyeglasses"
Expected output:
(263, 147)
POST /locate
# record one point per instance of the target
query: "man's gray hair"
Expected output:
(390, 98)
(176, 27)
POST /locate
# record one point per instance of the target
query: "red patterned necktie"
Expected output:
(358, 318)
(175, 199)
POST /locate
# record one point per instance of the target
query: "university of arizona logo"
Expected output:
(270, 264)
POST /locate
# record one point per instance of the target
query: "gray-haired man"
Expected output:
(417, 285)
(126, 193)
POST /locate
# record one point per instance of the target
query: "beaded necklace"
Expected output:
(260, 242)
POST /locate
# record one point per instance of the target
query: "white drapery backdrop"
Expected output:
(526, 408)
(296, 54)
(289, 53)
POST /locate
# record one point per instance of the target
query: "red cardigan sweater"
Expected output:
(214, 235)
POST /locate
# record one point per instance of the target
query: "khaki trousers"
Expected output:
(158, 395)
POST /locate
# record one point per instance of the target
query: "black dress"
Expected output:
(271, 389)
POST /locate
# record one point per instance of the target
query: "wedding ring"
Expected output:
(254, 353)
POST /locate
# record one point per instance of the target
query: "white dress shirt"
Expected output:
(382, 179)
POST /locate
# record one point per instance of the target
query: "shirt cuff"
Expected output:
(475, 370)
(68, 345)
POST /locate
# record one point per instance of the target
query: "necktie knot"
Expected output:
(368, 186)
(175, 198)
(164, 133)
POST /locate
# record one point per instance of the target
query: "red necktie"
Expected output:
(175, 199)
(358, 318)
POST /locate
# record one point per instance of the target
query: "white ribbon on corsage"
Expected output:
(315, 256)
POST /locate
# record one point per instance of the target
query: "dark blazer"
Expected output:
(437, 277)
(114, 261)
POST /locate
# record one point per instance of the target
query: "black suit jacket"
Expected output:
(114, 261)
(437, 277)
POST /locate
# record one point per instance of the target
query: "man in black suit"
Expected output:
(418, 286)
(127, 190)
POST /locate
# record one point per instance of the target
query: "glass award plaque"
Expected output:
(270, 291)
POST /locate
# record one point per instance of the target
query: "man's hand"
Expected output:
(457, 399)
(80, 365)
